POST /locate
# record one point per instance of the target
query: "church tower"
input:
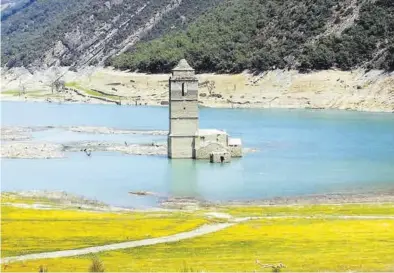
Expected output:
(183, 108)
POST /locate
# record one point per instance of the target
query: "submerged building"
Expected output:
(185, 139)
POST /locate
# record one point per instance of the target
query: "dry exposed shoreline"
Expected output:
(357, 90)
(58, 199)
(17, 143)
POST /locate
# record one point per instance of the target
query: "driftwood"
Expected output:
(143, 193)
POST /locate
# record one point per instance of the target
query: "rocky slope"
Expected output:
(82, 32)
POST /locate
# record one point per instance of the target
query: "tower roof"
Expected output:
(183, 66)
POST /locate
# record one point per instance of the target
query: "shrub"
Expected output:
(42, 269)
(96, 265)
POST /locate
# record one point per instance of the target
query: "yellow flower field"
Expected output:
(26, 231)
(311, 210)
(300, 244)
(315, 239)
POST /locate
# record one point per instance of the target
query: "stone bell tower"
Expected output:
(183, 108)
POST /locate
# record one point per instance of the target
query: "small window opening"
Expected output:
(184, 89)
(222, 159)
(184, 108)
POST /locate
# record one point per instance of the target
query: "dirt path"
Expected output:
(205, 229)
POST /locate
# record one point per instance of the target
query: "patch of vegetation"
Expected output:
(97, 265)
(33, 94)
(42, 268)
(98, 94)
(179, 18)
(12, 92)
(26, 231)
(89, 91)
(316, 210)
(269, 34)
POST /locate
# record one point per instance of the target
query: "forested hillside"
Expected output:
(213, 35)
(10, 7)
(266, 34)
(83, 32)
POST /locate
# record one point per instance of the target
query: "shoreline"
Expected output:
(357, 90)
(45, 199)
(18, 142)
(213, 105)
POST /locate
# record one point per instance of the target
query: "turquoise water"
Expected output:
(299, 152)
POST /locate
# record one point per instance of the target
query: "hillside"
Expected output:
(10, 7)
(269, 34)
(225, 36)
(86, 32)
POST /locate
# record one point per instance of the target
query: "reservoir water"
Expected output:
(298, 152)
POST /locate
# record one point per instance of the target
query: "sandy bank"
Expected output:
(330, 89)
(30, 150)
(15, 133)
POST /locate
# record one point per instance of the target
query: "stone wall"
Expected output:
(235, 151)
(180, 147)
(184, 109)
(183, 127)
(189, 87)
(220, 157)
(204, 152)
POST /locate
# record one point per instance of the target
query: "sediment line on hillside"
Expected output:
(357, 90)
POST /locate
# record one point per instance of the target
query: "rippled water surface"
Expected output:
(299, 152)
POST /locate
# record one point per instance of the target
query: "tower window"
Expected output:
(184, 89)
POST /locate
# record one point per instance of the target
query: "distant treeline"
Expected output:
(266, 34)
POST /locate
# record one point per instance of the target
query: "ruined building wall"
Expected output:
(235, 151)
(203, 152)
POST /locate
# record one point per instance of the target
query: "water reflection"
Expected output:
(183, 178)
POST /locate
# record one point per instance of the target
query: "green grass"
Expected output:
(35, 93)
(11, 92)
(89, 91)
